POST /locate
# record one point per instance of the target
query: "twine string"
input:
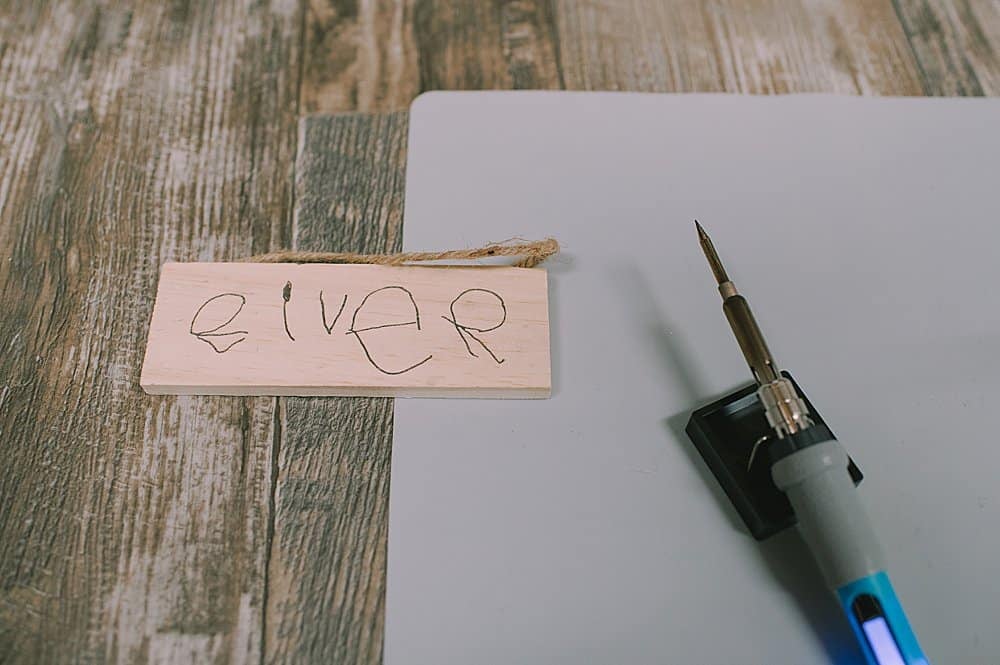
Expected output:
(530, 255)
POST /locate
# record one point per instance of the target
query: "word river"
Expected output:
(349, 330)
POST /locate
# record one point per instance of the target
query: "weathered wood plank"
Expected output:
(763, 46)
(326, 578)
(358, 56)
(378, 56)
(475, 45)
(956, 43)
(134, 528)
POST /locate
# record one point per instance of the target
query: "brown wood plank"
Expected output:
(760, 46)
(326, 578)
(475, 45)
(956, 43)
(358, 56)
(378, 56)
(328, 565)
(134, 528)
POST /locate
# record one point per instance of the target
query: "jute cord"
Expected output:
(530, 255)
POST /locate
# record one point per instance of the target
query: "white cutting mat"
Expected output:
(585, 529)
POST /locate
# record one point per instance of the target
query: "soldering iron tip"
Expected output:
(713, 257)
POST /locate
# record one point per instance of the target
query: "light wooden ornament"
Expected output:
(320, 329)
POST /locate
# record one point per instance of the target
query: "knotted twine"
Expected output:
(530, 253)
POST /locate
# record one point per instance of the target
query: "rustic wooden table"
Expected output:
(209, 529)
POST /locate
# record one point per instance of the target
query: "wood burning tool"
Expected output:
(780, 464)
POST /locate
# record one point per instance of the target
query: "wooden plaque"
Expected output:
(291, 329)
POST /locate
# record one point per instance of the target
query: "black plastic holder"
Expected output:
(726, 432)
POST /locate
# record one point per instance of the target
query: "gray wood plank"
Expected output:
(770, 46)
(475, 45)
(134, 528)
(956, 43)
(326, 574)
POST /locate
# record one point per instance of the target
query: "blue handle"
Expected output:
(879, 622)
(834, 525)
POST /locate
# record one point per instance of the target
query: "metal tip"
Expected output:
(713, 257)
(701, 231)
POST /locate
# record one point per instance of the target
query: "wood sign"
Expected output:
(320, 329)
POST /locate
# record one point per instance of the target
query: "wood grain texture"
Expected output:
(381, 331)
(358, 55)
(326, 577)
(134, 529)
(379, 55)
(956, 43)
(476, 45)
(760, 46)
